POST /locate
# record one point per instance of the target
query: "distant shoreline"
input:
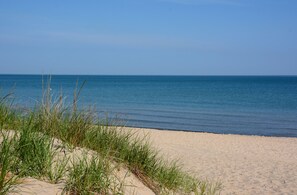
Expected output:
(215, 133)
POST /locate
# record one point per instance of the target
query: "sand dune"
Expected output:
(243, 164)
(131, 184)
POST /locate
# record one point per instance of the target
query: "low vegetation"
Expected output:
(91, 175)
(6, 160)
(32, 147)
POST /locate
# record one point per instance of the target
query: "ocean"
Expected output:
(247, 105)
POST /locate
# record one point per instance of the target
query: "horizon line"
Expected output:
(36, 74)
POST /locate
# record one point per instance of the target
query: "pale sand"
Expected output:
(244, 164)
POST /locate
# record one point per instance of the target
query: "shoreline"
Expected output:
(243, 164)
(192, 131)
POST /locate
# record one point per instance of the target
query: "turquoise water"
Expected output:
(250, 105)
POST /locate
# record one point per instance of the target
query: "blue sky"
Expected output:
(149, 37)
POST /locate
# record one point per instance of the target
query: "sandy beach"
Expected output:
(148, 97)
(243, 164)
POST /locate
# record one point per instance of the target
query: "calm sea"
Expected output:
(251, 105)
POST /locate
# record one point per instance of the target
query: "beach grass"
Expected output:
(9, 118)
(58, 170)
(142, 159)
(90, 176)
(34, 151)
(52, 118)
(7, 179)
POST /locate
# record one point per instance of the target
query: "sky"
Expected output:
(148, 37)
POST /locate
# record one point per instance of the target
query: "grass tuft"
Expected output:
(58, 170)
(9, 118)
(7, 179)
(34, 151)
(91, 176)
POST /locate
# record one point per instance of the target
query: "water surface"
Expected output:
(250, 105)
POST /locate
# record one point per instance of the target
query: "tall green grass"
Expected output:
(31, 153)
(92, 176)
(7, 179)
(9, 118)
(58, 170)
(144, 161)
(82, 127)
(34, 151)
